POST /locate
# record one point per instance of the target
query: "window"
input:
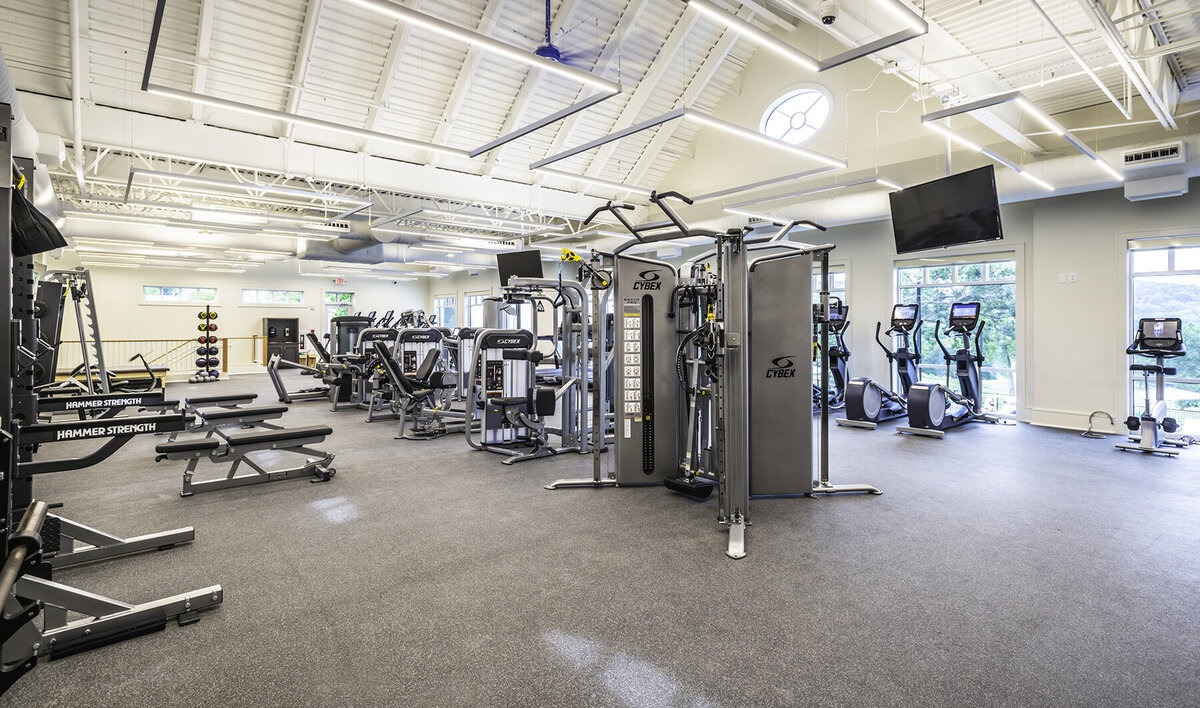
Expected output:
(797, 115)
(837, 284)
(173, 293)
(1166, 283)
(272, 297)
(992, 283)
(444, 307)
(337, 304)
(473, 304)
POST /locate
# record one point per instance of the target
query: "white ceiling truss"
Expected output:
(455, 86)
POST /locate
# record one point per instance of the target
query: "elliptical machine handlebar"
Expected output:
(979, 350)
(891, 355)
(937, 336)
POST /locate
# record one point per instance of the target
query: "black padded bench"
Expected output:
(235, 449)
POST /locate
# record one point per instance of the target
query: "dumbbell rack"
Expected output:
(207, 351)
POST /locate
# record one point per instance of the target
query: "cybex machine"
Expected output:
(712, 373)
(868, 402)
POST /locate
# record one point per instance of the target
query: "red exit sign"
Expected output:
(339, 281)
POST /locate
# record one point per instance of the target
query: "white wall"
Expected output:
(1071, 336)
(124, 316)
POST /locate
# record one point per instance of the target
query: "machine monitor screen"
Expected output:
(837, 312)
(522, 264)
(947, 212)
(905, 313)
(1160, 333)
(964, 313)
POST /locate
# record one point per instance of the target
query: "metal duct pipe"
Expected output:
(77, 95)
(25, 137)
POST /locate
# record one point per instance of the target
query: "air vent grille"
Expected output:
(1166, 154)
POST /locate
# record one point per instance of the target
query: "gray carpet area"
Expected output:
(1002, 566)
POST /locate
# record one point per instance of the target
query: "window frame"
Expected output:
(482, 295)
(986, 256)
(216, 301)
(256, 303)
(325, 305)
(437, 309)
(786, 95)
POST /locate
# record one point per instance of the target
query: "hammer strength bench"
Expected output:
(235, 448)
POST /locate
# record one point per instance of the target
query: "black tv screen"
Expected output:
(947, 212)
(522, 264)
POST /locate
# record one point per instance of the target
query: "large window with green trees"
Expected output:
(935, 284)
(337, 304)
(1165, 282)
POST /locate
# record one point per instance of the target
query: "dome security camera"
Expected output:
(828, 11)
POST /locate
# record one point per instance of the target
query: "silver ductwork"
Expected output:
(25, 137)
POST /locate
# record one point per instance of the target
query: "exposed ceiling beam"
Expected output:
(516, 114)
(387, 79)
(646, 87)
(704, 76)
(300, 68)
(458, 95)
(608, 56)
(203, 47)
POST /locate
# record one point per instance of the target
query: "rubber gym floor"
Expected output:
(1001, 566)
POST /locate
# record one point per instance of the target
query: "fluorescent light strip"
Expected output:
(1037, 180)
(957, 137)
(931, 120)
(771, 42)
(890, 184)
(1040, 115)
(480, 246)
(440, 264)
(403, 14)
(447, 234)
(272, 114)
(765, 183)
(249, 186)
(733, 129)
(105, 217)
(258, 252)
(616, 186)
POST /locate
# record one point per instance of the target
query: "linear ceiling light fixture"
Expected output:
(606, 89)
(698, 117)
(817, 190)
(1027, 106)
(297, 119)
(915, 27)
(445, 29)
(615, 186)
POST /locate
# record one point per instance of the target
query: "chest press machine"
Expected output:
(502, 397)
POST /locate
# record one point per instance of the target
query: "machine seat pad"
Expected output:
(509, 402)
(269, 436)
(187, 446)
(1152, 368)
(202, 400)
(226, 413)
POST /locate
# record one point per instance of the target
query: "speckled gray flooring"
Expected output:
(1002, 566)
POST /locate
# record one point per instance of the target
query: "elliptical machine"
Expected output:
(1158, 339)
(868, 403)
(839, 353)
(934, 408)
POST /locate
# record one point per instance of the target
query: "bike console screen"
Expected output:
(964, 315)
(1160, 333)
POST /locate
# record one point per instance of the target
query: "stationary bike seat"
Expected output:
(1152, 368)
